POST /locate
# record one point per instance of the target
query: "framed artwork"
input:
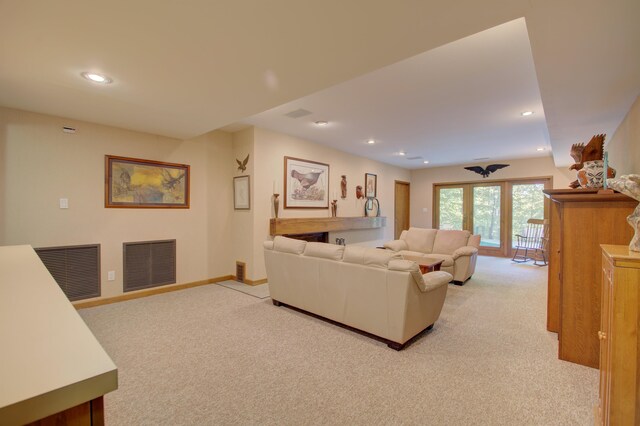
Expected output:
(370, 185)
(306, 184)
(241, 193)
(137, 183)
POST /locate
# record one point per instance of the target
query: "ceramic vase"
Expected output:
(592, 174)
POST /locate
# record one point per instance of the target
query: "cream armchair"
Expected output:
(457, 249)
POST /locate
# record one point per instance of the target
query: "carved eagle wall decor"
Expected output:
(486, 172)
(242, 166)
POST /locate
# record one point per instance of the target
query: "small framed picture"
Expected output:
(370, 185)
(241, 193)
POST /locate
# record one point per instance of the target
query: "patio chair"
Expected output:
(533, 244)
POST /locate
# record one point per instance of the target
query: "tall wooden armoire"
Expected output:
(581, 220)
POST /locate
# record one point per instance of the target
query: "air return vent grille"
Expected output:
(149, 264)
(76, 269)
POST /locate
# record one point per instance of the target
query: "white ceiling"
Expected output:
(450, 105)
(184, 68)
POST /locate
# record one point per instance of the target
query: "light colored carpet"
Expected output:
(208, 355)
(261, 291)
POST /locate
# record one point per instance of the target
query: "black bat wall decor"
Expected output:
(486, 172)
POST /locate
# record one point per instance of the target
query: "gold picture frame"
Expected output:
(138, 183)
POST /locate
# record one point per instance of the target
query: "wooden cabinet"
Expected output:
(581, 220)
(618, 334)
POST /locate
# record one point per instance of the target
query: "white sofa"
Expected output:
(457, 249)
(368, 289)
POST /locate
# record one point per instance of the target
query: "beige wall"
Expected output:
(422, 182)
(624, 146)
(270, 148)
(41, 164)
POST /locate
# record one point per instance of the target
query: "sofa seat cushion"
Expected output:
(324, 251)
(420, 239)
(447, 260)
(411, 253)
(447, 241)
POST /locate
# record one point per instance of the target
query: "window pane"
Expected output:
(486, 214)
(450, 208)
(528, 203)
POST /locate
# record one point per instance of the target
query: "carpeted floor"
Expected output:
(210, 355)
(261, 291)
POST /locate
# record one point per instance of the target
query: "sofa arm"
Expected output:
(464, 251)
(268, 245)
(435, 279)
(396, 245)
(427, 282)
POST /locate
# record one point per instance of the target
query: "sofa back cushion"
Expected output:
(369, 256)
(289, 245)
(474, 241)
(420, 239)
(324, 250)
(447, 241)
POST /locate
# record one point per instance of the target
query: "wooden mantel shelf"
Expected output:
(286, 226)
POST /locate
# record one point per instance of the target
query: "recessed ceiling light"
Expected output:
(321, 123)
(402, 153)
(96, 78)
(540, 149)
(526, 113)
(371, 141)
(426, 161)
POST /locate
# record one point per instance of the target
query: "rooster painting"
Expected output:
(306, 184)
(306, 179)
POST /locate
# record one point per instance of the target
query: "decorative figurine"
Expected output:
(486, 172)
(343, 187)
(359, 193)
(242, 165)
(630, 185)
(334, 208)
(589, 163)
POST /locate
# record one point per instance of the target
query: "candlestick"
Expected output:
(276, 204)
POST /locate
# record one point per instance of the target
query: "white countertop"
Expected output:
(49, 359)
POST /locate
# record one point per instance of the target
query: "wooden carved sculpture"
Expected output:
(242, 165)
(343, 187)
(588, 163)
(486, 172)
(359, 193)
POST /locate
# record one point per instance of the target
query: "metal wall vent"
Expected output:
(149, 264)
(240, 271)
(419, 157)
(300, 112)
(76, 269)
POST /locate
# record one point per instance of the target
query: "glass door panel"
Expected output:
(527, 203)
(486, 209)
(451, 213)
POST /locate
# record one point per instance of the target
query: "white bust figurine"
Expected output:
(630, 185)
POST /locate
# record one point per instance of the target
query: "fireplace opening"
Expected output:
(314, 237)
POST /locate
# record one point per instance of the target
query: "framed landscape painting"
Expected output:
(306, 184)
(138, 183)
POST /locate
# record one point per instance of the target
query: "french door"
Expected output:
(497, 210)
